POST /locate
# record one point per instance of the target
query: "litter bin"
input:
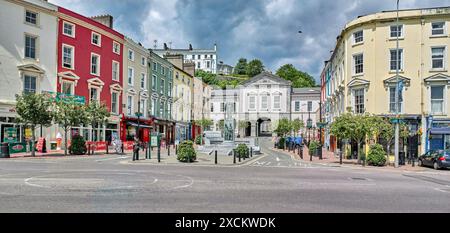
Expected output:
(53, 145)
(4, 150)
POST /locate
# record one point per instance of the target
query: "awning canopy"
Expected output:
(440, 130)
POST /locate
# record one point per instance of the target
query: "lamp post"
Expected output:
(320, 129)
(397, 110)
(139, 124)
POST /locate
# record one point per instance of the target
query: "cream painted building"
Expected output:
(28, 58)
(202, 98)
(135, 84)
(182, 102)
(361, 73)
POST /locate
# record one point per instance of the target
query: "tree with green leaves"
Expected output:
(339, 127)
(203, 123)
(241, 67)
(207, 77)
(98, 114)
(33, 110)
(298, 78)
(283, 127)
(296, 125)
(254, 68)
(67, 114)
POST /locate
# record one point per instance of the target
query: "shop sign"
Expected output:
(10, 135)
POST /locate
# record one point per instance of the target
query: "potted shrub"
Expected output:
(186, 152)
(376, 156)
(78, 145)
(242, 151)
(314, 147)
(198, 140)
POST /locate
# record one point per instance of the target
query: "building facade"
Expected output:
(202, 97)
(260, 102)
(90, 63)
(361, 73)
(224, 69)
(161, 105)
(136, 92)
(182, 114)
(28, 61)
(204, 59)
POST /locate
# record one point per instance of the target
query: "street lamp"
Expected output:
(397, 110)
(138, 126)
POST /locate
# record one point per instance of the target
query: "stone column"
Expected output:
(253, 129)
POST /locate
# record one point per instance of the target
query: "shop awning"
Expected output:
(136, 125)
(440, 130)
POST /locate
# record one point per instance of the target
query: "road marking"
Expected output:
(191, 182)
(278, 159)
(101, 160)
(27, 182)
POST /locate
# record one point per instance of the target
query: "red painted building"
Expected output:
(90, 57)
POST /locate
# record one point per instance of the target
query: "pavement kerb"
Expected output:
(198, 164)
(358, 167)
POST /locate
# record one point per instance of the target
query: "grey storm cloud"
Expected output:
(263, 29)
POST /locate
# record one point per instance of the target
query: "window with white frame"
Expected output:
(437, 28)
(96, 39)
(297, 106)
(30, 46)
(114, 102)
(95, 64)
(163, 70)
(169, 110)
(437, 57)
(129, 105)
(212, 107)
(161, 108)
(437, 99)
(222, 107)
(358, 37)
(309, 106)
(154, 78)
(169, 91)
(155, 67)
(396, 30)
(264, 102)
(161, 88)
(143, 61)
(130, 55)
(142, 107)
(31, 17)
(116, 48)
(358, 63)
(29, 84)
(68, 56)
(198, 65)
(69, 29)
(277, 102)
(396, 60)
(153, 107)
(130, 76)
(115, 71)
(358, 96)
(93, 94)
(208, 63)
(392, 101)
(67, 88)
(252, 102)
(143, 78)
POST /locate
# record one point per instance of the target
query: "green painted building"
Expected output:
(160, 104)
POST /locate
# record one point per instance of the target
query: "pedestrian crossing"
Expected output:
(282, 164)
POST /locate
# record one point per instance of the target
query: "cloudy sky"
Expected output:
(264, 29)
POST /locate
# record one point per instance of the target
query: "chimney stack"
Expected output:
(106, 20)
(190, 46)
(165, 47)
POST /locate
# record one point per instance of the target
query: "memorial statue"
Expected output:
(229, 123)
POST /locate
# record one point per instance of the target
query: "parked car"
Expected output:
(435, 158)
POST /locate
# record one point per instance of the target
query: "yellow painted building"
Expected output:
(183, 89)
(361, 73)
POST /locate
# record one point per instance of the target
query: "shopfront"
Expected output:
(439, 134)
(129, 129)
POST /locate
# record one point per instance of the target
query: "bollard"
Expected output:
(159, 153)
(4, 150)
(340, 157)
(89, 149)
(234, 156)
(310, 156)
(107, 148)
(215, 157)
(122, 148)
(146, 151)
(239, 157)
(176, 149)
(301, 152)
(168, 151)
(251, 151)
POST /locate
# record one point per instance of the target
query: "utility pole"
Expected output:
(397, 110)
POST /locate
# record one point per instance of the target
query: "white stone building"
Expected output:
(261, 102)
(28, 62)
(204, 59)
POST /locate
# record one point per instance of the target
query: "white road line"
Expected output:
(27, 182)
(278, 159)
(191, 182)
(101, 160)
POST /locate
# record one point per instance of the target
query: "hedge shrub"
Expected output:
(376, 156)
(78, 145)
(186, 152)
(242, 151)
(313, 147)
(281, 143)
